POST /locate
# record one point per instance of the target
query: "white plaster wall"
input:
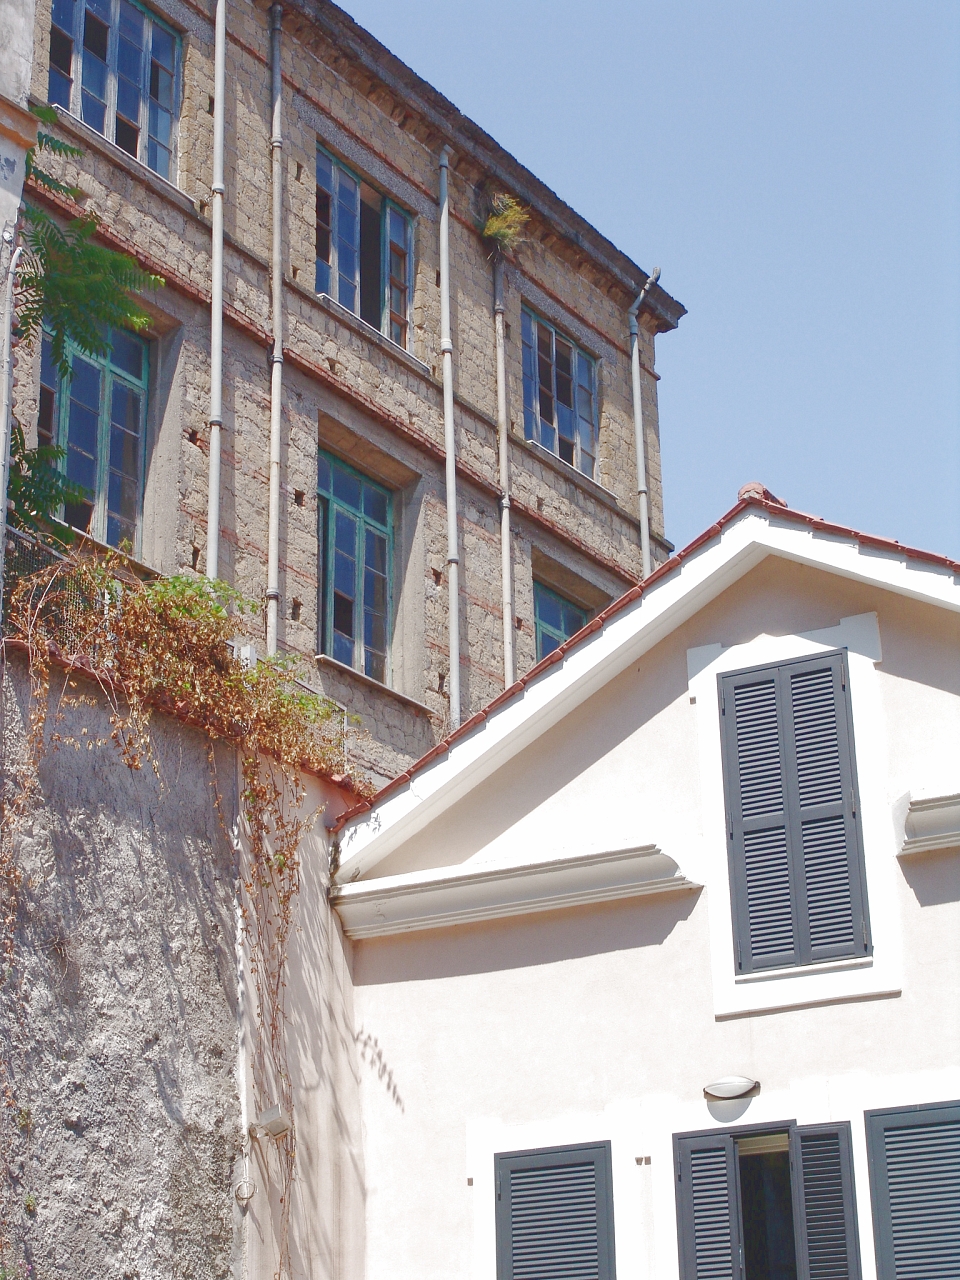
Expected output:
(606, 1022)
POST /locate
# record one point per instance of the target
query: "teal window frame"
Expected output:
(339, 257)
(355, 554)
(117, 66)
(559, 394)
(547, 606)
(102, 452)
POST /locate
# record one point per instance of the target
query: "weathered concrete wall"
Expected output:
(120, 1016)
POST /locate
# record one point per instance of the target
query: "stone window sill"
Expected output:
(136, 168)
(332, 664)
(369, 332)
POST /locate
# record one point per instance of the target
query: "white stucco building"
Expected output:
(709, 847)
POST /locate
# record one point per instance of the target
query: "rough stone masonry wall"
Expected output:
(119, 1020)
(385, 405)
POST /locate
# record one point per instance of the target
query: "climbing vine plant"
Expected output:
(165, 646)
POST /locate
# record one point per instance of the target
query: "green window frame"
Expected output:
(116, 66)
(364, 249)
(97, 416)
(559, 394)
(556, 619)
(355, 549)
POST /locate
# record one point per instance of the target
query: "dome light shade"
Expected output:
(730, 1087)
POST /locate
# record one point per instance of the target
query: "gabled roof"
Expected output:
(758, 526)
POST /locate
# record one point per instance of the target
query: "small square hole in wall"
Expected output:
(506, 330)
(298, 497)
(299, 171)
(210, 104)
(437, 575)
(296, 607)
(438, 279)
(332, 363)
(194, 557)
(295, 271)
(193, 436)
(469, 1182)
(519, 622)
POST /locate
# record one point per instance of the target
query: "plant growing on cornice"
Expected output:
(505, 224)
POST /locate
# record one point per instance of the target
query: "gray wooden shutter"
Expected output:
(825, 1211)
(708, 1208)
(796, 866)
(915, 1189)
(555, 1214)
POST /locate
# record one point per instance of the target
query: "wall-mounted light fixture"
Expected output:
(273, 1122)
(730, 1087)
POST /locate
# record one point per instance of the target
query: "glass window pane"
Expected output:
(546, 644)
(344, 575)
(58, 89)
(161, 86)
(122, 497)
(93, 112)
(101, 7)
(127, 352)
(549, 609)
(120, 531)
(158, 158)
(163, 47)
(131, 25)
(347, 294)
(81, 468)
(324, 171)
(64, 14)
(345, 535)
(129, 63)
(125, 409)
(85, 383)
(375, 504)
(398, 228)
(323, 475)
(124, 453)
(342, 644)
(526, 327)
(160, 124)
(375, 554)
(346, 487)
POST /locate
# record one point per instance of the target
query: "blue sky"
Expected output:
(792, 166)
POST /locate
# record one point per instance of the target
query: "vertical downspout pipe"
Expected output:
(503, 440)
(276, 356)
(450, 445)
(216, 292)
(638, 424)
(6, 398)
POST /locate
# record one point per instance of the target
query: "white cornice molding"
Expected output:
(424, 900)
(704, 574)
(932, 824)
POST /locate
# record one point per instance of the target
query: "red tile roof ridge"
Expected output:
(776, 509)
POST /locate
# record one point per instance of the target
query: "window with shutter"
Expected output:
(555, 1214)
(793, 832)
(915, 1189)
(773, 1204)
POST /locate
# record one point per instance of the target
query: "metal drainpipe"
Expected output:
(503, 438)
(450, 446)
(216, 293)
(6, 396)
(638, 424)
(276, 357)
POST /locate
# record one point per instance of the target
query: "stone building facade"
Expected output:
(362, 136)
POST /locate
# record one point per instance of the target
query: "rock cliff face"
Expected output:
(119, 1017)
